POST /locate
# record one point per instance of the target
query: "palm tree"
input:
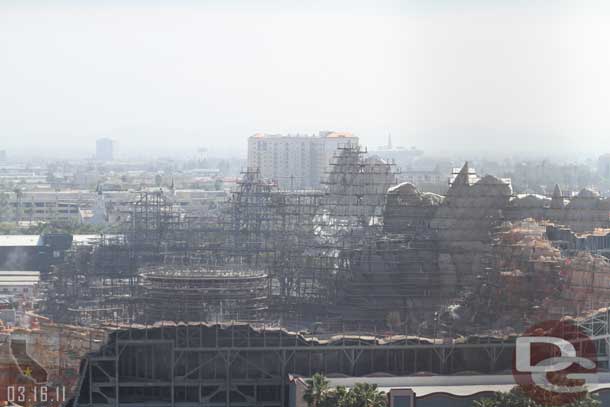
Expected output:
(517, 398)
(319, 394)
(317, 386)
(339, 397)
(18, 196)
(6, 211)
(367, 395)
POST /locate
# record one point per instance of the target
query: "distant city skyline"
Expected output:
(170, 77)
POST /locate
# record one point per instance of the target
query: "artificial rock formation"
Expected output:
(470, 242)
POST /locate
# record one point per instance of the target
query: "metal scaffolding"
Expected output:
(238, 365)
(195, 294)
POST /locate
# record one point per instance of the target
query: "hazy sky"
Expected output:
(170, 76)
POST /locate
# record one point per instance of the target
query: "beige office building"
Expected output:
(295, 161)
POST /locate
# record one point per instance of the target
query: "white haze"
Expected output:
(162, 78)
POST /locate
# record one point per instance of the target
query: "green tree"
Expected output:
(319, 394)
(18, 195)
(7, 212)
(517, 398)
(73, 228)
(339, 397)
(366, 395)
(317, 386)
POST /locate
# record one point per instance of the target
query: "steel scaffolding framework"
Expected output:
(237, 365)
(240, 365)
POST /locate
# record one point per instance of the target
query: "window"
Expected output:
(401, 398)
(401, 401)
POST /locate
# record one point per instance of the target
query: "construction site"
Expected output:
(365, 276)
(269, 256)
(189, 364)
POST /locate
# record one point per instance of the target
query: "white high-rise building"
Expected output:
(104, 149)
(295, 161)
(603, 166)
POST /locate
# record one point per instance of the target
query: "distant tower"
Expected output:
(100, 215)
(202, 153)
(557, 199)
(603, 166)
(172, 188)
(389, 141)
(463, 176)
(104, 149)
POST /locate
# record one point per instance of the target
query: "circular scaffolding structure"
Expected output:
(205, 294)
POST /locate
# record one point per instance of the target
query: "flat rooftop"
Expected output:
(19, 240)
(457, 385)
